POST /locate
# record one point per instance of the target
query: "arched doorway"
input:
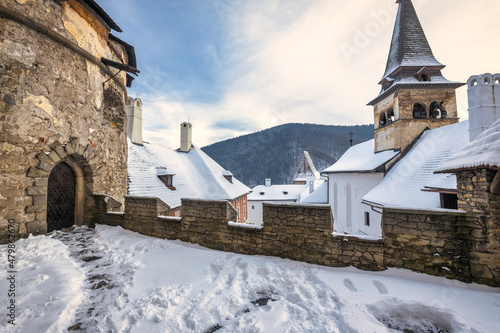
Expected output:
(61, 198)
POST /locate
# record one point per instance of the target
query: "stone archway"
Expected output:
(61, 191)
(83, 162)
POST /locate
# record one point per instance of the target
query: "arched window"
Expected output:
(437, 110)
(419, 111)
(390, 116)
(383, 120)
(497, 79)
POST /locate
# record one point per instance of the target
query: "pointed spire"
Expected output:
(307, 171)
(409, 46)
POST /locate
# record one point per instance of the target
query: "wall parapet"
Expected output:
(432, 242)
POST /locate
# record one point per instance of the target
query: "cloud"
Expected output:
(315, 61)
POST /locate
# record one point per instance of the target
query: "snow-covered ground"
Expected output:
(113, 280)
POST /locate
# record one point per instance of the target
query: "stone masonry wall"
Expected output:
(475, 195)
(441, 243)
(55, 107)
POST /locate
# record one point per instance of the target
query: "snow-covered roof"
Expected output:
(483, 152)
(306, 169)
(404, 183)
(362, 158)
(277, 192)
(319, 195)
(447, 183)
(196, 175)
(409, 46)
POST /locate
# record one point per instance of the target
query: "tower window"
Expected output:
(437, 110)
(390, 116)
(383, 119)
(419, 111)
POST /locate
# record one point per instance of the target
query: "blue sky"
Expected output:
(238, 66)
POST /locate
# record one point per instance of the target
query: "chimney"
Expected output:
(134, 120)
(268, 182)
(186, 137)
(483, 92)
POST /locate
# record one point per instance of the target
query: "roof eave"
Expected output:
(428, 85)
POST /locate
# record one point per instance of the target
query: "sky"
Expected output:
(233, 67)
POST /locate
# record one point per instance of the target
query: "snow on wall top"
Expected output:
(409, 46)
(196, 175)
(361, 158)
(483, 152)
(404, 183)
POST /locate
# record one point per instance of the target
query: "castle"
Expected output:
(64, 156)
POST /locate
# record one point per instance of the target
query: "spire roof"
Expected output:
(409, 46)
(307, 170)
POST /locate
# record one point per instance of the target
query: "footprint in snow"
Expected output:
(381, 287)
(349, 285)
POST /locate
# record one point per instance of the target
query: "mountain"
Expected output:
(276, 152)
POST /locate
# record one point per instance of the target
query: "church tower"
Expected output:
(414, 94)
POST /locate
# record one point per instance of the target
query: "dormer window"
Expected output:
(424, 75)
(165, 177)
(387, 83)
(228, 175)
(168, 180)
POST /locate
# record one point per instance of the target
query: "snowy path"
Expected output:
(113, 280)
(104, 282)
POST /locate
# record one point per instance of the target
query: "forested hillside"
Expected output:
(275, 153)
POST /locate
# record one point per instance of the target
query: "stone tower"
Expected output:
(414, 94)
(64, 79)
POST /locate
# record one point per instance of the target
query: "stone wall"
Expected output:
(55, 107)
(442, 243)
(477, 194)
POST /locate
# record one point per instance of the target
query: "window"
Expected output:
(367, 219)
(419, 111)
(383, 120)
(390, 116)
(425, 78)
(168, 180)
(437, 110)
(449, 200)
(253, 207)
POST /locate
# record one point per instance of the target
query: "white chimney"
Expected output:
(186, 137)
(134, 120)
(484, 102)
(268, 182)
